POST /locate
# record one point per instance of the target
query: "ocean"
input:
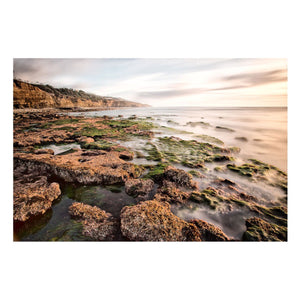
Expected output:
(260, 132)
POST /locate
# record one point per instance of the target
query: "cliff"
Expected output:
(27, 95)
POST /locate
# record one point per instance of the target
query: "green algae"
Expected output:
(174, 130)
(189, 153)
(121, 129)
(65, 128)
(209, 139)
(245, 169)
(155, 171)
(99, 145)
(127, 123)
(219, 169)
(261, 230)
(277, 214)
(207, 197)
(66, 121)
(194, 124)
(195, 173)
(172, 122)
(262, 171)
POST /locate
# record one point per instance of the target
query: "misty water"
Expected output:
(260, 132)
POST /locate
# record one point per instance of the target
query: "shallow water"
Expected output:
(262, 133)
(265, 128)
(57, 223)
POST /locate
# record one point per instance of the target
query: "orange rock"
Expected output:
(210, 232)
(153, 221)
(33, 198)
(97, 224)
(104, 168)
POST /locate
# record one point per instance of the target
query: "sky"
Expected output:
(166, 82)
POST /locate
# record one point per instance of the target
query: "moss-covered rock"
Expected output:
(260, 230)
(190, 153)
(262, 171)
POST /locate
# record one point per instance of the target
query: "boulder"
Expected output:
(171, 193)
(153, 221)
(97, 224)
(209, 232)
(180, 177)
(32, 198)
(85, 140)
(139, 188)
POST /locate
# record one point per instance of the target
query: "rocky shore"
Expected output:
(156, 189)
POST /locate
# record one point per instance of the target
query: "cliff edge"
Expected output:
(28, 95)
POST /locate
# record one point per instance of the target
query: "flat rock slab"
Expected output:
(99, 168)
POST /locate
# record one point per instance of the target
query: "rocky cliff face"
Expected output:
(28, 95)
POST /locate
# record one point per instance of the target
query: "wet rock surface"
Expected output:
(78, 166)
(33, 196)
(170, 192)
(209, 232)
(260, 230)
(179, 177)
(140, 188)
(97, 224)
(153, 221)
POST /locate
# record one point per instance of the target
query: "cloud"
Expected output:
(259, 78)
(239, 81)
(154, 80)
(184, 92)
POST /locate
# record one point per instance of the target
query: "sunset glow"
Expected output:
(167, 82)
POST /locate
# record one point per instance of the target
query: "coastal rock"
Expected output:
(33, 196)
(45, 136)
(209, 232)
(44, 151)
(180, 177)
(97, 224)
(85, 140)
(260, 230)
(105, 168)
(154, 221)
(171, 193)
(139, 188)
(126, 155)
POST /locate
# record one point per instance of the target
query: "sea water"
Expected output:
(260, 132)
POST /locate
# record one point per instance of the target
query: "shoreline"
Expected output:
(168, 188)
